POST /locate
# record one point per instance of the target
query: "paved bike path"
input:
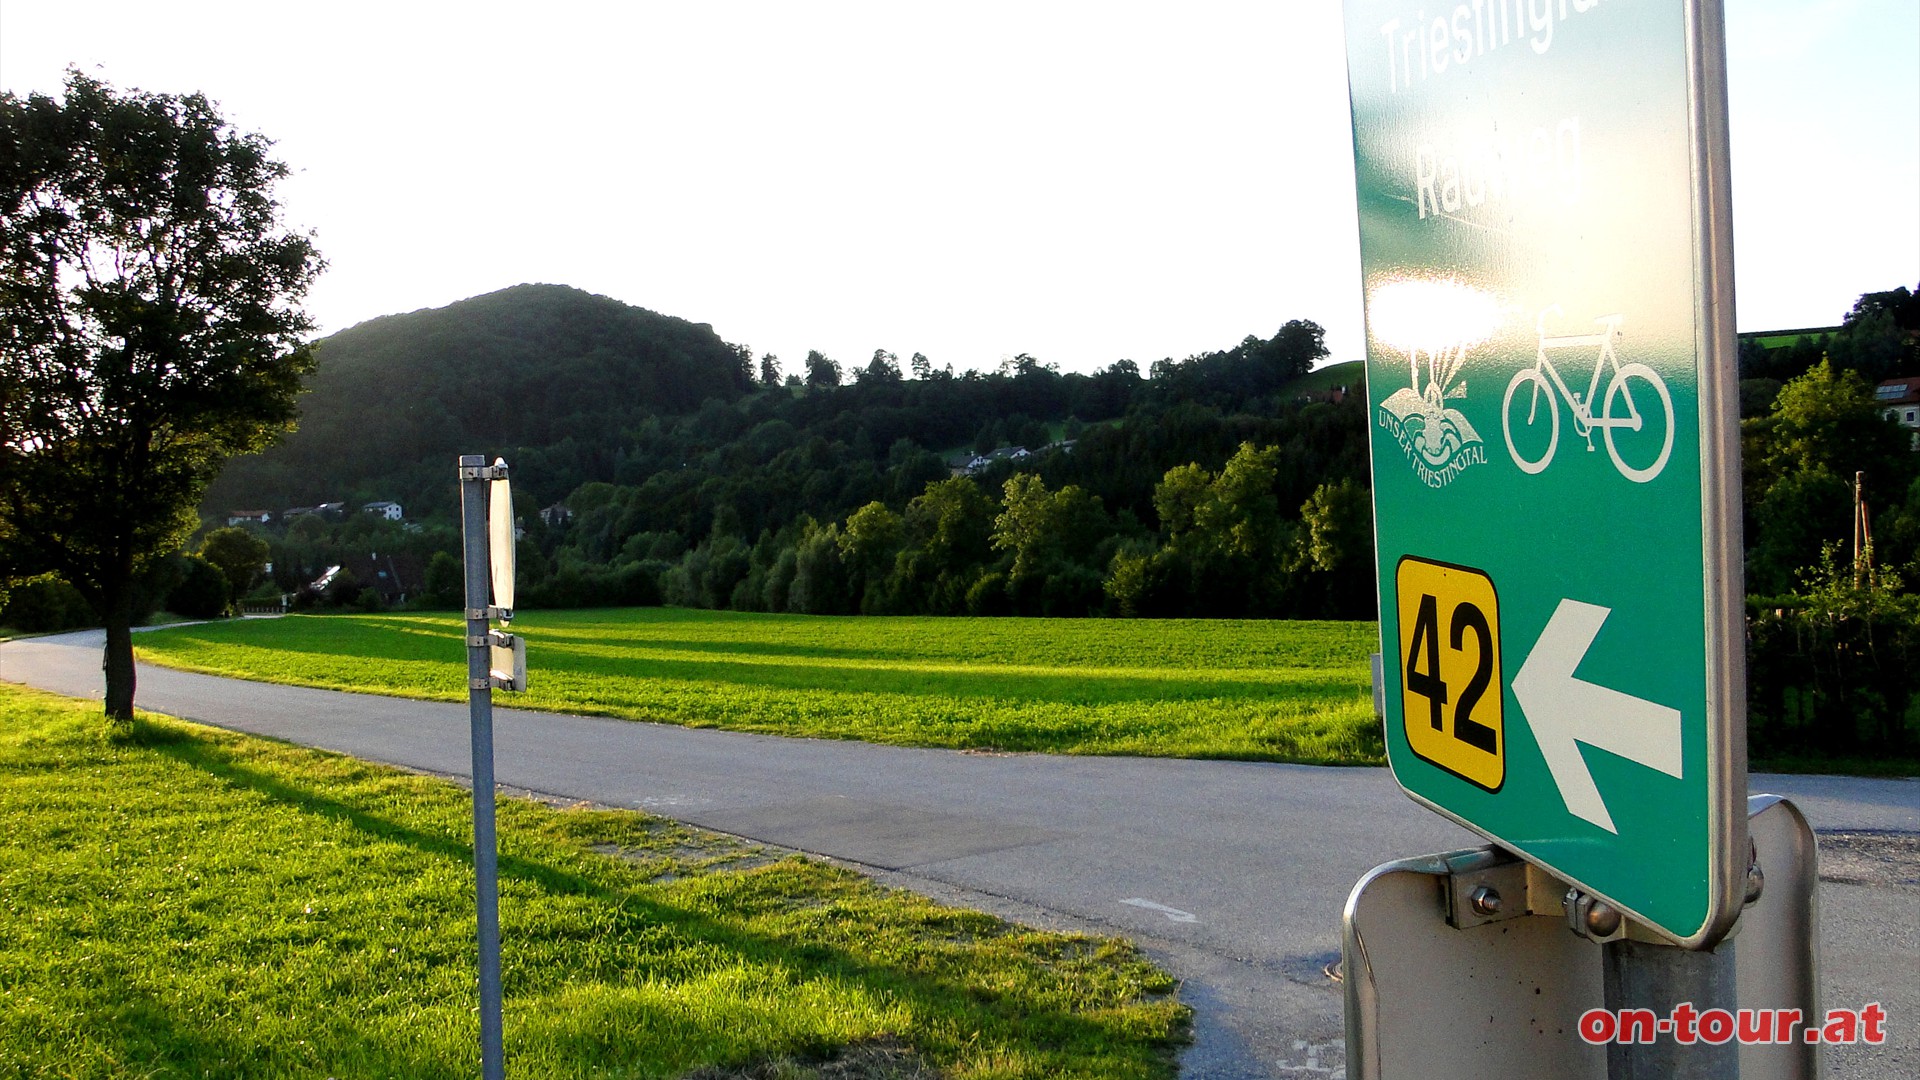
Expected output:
(1233, 874)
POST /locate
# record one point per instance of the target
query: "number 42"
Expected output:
(1432, 685)
(1450, 655)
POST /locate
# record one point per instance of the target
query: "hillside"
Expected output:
(647, 466)
(397, 398)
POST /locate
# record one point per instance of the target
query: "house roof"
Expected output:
(1898, 392)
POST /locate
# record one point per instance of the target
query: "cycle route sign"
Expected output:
(1547, 270)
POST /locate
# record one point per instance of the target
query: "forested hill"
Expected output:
(574, 388)
(395, 399)
(651, 460)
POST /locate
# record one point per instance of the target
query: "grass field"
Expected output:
(1780, 339)
(177, 901)
(1351, 374)
(1261, 690)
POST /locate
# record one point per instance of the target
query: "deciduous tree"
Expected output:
(240, 556)
(883, 368)
(1038, 524)
(1800, 463)
(822, 370)
(149, 329)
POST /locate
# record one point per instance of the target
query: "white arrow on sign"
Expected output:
(1564, 711)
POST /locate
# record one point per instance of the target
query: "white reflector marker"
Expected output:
(500, 542)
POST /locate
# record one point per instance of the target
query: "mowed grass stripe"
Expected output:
(678, 654)
(1174, 643)
(1288, 691)
(178, 901)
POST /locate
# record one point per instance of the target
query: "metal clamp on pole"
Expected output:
(1492, 886)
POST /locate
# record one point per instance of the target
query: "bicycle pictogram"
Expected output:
(1638, 442)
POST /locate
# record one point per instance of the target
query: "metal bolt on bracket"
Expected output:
(1487, 889)
(1593, 918)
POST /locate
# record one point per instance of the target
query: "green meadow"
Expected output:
(1256, 690)
(181, 902)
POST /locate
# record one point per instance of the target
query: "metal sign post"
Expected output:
(1459, 966)
(489, 594)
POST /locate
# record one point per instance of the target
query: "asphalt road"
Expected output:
(1231, 874)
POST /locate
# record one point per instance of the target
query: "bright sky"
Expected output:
(1082, 180)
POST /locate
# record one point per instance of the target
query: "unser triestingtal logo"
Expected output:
(1433, 323)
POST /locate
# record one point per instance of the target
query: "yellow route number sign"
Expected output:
(1452, 692)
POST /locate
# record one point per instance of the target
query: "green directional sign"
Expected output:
(1546, 260)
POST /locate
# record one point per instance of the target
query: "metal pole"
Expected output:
(1859, 517)
(473, 516)
(1661, 978)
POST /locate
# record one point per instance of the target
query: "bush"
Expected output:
(638, 584)
(628, 585)
(154, 583)
(342, 590)
(1072, 592)
(1833, 673)
(44, 605)
(446, 584)
(201, 592)
(988, 595)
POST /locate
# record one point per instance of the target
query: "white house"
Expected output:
(249, 517)
(1005, 453)
(1900, 399)
(388, 510)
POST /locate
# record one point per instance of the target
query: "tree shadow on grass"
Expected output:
(611, 638)
(344, 635)
(727, 667)
(949, 1012)
(1075, 686)
(139, 1031)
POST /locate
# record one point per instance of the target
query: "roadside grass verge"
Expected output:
(1895, 766)
(1253, 690)
(179, 901)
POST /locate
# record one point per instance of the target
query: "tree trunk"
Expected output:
(117, 614)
